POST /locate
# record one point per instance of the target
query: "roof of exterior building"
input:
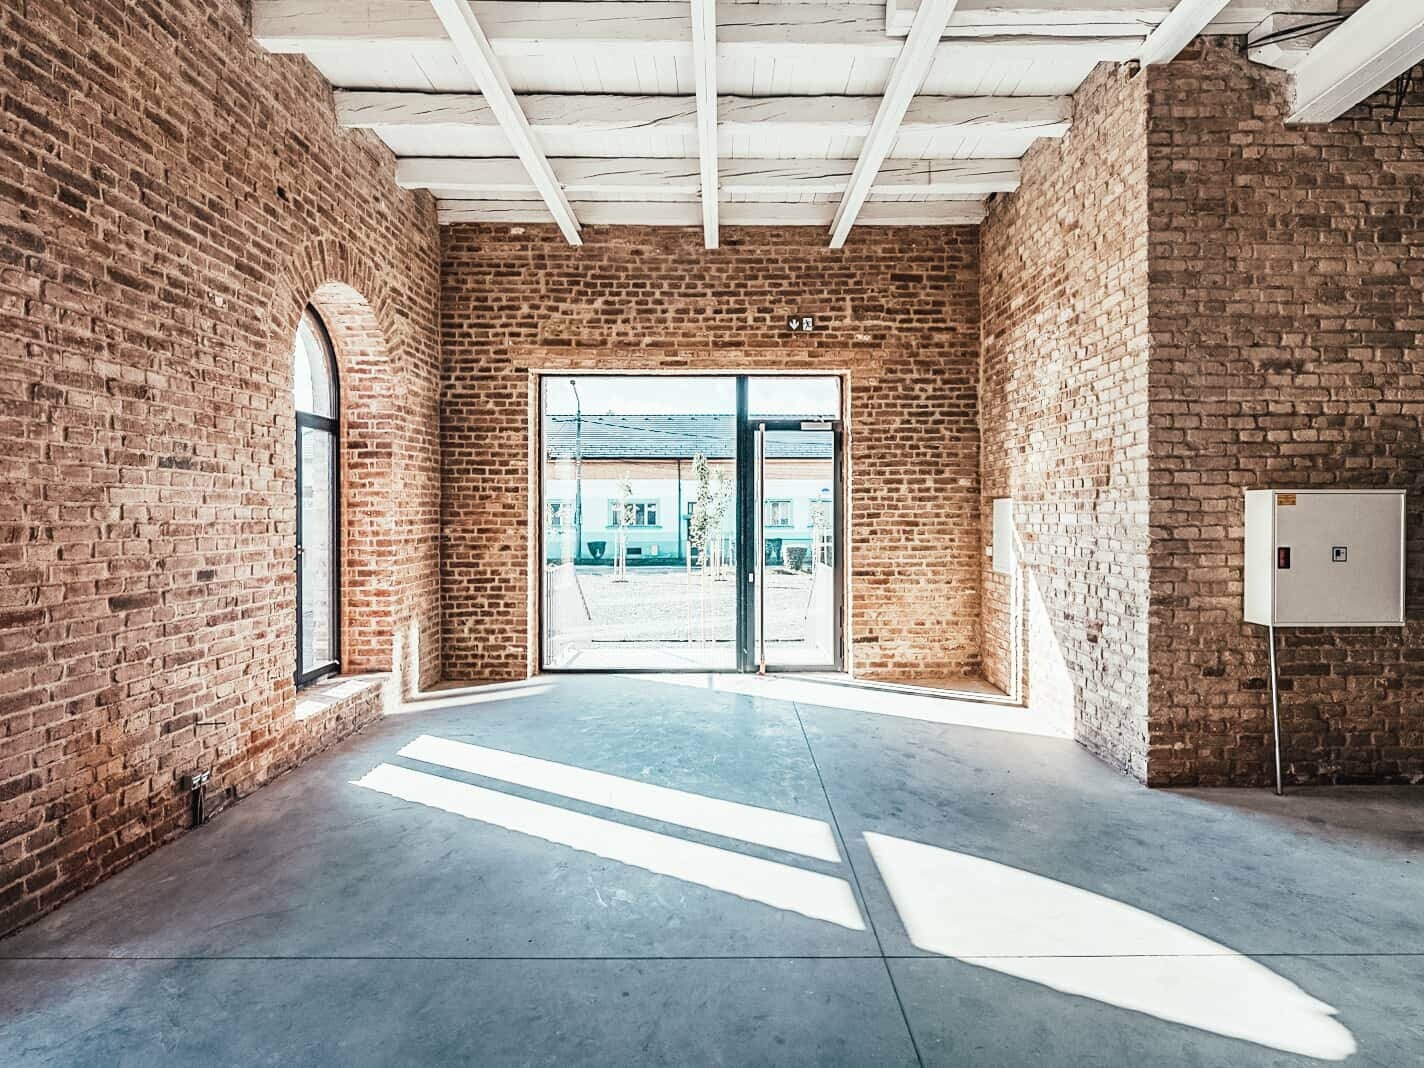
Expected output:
(666, 437)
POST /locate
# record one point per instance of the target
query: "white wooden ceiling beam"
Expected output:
(1188, 19)
(1107, 18)
(745, 30)
(479, 60)
(636, 179)
(982, 52)
(908, 74)
(619, 32)
(594, 213)
(704, 67)
(781, 116)
(1371, 48)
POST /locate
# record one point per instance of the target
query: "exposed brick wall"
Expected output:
(1287, 315)
(896, 309)
(170, 198)
(1064, 423)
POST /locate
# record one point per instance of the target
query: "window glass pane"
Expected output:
(799, 618)
(789, 397)
(642, 572)
(311, 372)
(317, 564)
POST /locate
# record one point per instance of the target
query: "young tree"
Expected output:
(821, 531)
(704, 530)
(624, 518)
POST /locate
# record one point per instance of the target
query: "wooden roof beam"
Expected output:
(1107, 18)
(689, 214)
(704, 66)
(479, 60)
(833, 116)
(1371, 48)
(912, 65)
(634, 179)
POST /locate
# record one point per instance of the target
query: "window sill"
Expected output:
(317, 698)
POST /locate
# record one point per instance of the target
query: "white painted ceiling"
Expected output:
(609, 92)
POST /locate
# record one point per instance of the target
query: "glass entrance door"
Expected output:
(797, 513)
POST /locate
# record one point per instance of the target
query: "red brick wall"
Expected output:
(1064, 423)
(1288, 333)
(896, 309)
(170, 197)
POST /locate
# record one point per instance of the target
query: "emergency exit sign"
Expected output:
(801, 324)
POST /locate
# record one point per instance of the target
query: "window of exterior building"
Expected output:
(640, 513)
(561, 515)
(317, 401)
(778, 514)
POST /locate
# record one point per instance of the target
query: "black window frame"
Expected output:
(332, 426)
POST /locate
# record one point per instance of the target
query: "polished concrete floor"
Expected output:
(710, 870)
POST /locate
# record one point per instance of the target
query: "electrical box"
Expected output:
(1003, 552)
(1320, 558)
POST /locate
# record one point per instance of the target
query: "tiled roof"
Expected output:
(666, 437)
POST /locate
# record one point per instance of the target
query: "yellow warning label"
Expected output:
(1285, 499)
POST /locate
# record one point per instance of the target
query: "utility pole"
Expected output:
(578, 472)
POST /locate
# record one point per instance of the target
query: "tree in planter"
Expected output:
(704, 531)
(624, 516)
(821, 532)
(794, 557)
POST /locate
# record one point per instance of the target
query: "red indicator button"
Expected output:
(1283, 558)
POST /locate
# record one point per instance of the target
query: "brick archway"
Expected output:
(350, 302)
(369, 427)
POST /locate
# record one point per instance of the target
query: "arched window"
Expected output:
(317, 399)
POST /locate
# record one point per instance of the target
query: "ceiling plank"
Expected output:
(833, 116)
(474, 51)
(639, 179)
(911, 67)
(1105, 17)
(619, 32)
(1176, 31)
(1371, 48)
(594, 213)
(704, 67)
(745, 30)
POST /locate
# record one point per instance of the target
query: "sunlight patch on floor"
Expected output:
(954, 712)
(1077, 942)
(747, 823)
(783, 886)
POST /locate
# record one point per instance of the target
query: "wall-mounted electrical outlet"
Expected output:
(197, 786)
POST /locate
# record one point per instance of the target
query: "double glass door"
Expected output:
(691, 523)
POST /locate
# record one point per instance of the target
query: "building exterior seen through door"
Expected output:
(690, 523)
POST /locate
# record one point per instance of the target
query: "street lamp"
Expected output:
(578, 472)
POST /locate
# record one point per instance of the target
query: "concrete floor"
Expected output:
(827, 876)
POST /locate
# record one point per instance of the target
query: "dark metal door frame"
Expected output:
(750, 486)
(749, 513)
